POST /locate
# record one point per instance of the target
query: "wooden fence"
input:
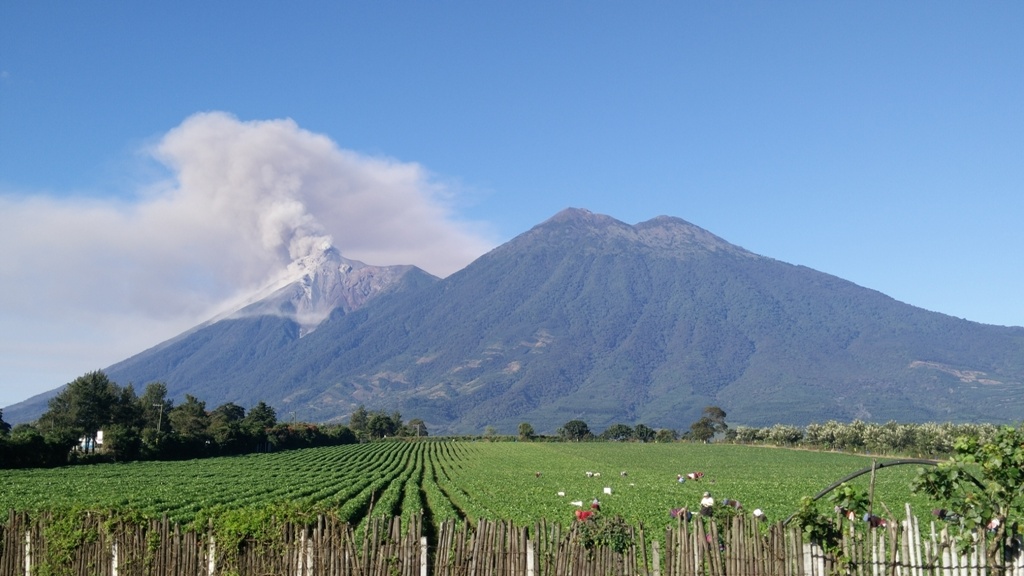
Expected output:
(99, 545)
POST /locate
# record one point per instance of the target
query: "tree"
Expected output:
(126, 410)
(256, 424)
(359, 419)
(666, 435)
(526, 431)
(83, 407)
(702, 430)
(155, 407)
(617, 432)
(5, 428)
(574, 430)
(226, 427)
(260, 418)
(380, 425)
(122, 442)
(416, 427)
(190, 420)
(785, 434)
(982, 488)
(644, 433)
(717, 418)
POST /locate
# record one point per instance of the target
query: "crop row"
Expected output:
(524, 482)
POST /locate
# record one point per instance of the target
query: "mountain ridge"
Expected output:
(584, 316)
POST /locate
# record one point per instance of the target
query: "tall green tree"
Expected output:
(359, 419)
(416, 427)
(644, 433)
(716, 416)
(381, 425)
(619, 432)
(666, 435)
(155, 406)
(5, 428)
(526, 431)
(702, 430)
(574, 430)
(126, 410)
(982, 488)
(260, 418)
(190, 420)
(83, 407)
(226, 428)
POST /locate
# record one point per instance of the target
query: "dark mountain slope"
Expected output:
(586, 317)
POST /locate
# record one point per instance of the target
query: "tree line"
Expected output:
(928, 439)
(710, 424)
(151, 427)
(96, 420)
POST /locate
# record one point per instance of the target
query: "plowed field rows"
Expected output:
(523, 482)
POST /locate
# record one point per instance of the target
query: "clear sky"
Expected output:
(160, 159)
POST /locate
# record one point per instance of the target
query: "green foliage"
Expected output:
(358, 420)
(526, 431)
(666, 435)
(619, 432)
(83, 407)
(415, 427)
(64, 533)
(574, 430)
(981, 487)
(822, 529)
(702, 430)
(458, 479)
(643, 433)
(601, 531)
(826, 528)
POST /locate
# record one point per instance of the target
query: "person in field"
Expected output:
(707, 504)
(734, 504)
(680, 513)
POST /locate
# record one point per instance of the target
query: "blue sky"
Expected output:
(156, 159)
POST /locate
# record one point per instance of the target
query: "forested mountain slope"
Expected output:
(587, 317)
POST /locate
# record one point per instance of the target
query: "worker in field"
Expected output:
(680, 513)
(734, 504)
(584, 515)
(707, 504)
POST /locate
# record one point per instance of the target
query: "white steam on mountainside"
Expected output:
(91, 282)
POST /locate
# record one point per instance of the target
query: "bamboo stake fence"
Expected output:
(103, 545)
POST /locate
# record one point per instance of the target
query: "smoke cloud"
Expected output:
(89, 281)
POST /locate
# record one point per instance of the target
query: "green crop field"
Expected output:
(462, 480)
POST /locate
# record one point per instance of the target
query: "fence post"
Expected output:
(211, 552)
(655, 558)
(530, 570)
(28, 552)
(423, 556)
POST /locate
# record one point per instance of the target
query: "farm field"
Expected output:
(461, 479)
